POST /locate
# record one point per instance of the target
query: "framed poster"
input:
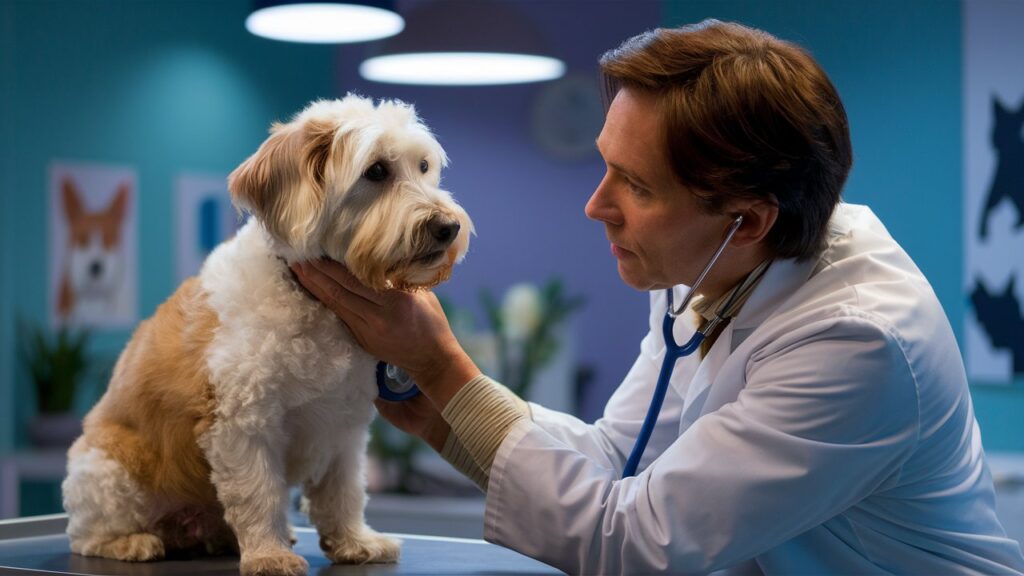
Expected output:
(205, 218)
(92, 222)
(993, 149)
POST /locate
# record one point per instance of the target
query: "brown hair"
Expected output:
(746, 116)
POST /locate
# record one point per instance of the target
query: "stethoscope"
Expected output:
(673, 351)
(394, 385)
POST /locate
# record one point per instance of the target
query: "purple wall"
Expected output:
(526, 204)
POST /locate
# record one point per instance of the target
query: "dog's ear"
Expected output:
(282, 184)
(71, 199)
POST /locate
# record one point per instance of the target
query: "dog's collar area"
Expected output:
(290, 274)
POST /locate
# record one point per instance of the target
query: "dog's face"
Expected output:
(360, 184)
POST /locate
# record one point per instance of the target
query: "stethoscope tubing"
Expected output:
(673, 352)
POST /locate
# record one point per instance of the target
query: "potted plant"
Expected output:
(56, 364)
(525, 324)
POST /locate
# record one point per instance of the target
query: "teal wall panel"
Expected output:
(6, 184)
(162, 86)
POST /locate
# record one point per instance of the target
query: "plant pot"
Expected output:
(55, 430)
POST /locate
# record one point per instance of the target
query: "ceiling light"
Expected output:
(461, 68)
(463, 42)
(324, 22)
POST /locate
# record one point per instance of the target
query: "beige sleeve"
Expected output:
(480, 415)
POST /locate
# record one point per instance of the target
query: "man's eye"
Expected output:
(376, 173)
(636, 188)
(424, 166)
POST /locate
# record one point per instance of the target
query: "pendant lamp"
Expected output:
(324, 22)
(463, 42)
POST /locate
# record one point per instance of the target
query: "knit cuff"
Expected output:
(456, 455)
(481, 415)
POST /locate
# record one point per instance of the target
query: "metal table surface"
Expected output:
(39, 546)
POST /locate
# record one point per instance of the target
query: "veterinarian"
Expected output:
(824, 426)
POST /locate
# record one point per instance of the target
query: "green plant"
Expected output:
(392, 446)
(524, 324)
(56, 365)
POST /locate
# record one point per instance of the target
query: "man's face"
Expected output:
(658, 233)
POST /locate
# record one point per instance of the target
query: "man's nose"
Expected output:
(599, 207)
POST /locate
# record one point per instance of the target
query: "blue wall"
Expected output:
(161, 86)
(897, 66)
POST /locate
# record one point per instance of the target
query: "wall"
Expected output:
(6, 184)
(161, 86)
(897, 67)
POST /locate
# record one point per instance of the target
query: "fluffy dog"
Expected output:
(242, 384)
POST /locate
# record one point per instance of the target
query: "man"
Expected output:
(826, 424)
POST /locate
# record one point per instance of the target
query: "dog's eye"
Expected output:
(376, 173)
(424, 166)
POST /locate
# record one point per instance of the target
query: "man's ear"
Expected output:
(758, 218)
(282, 184)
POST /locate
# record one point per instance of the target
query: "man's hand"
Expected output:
(416, 416)
(407, 329)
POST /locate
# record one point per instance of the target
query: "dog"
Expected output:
(93, 276)
(242, 384)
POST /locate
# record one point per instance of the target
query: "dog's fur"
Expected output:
(93, 274)
(242, 384)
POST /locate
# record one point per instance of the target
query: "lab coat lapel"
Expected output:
(722, 374)
(700, 386)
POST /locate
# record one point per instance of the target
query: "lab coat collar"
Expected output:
(784, 277)
(781, 280)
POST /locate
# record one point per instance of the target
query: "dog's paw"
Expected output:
(283, 563)
(364, 547)
(131, 548)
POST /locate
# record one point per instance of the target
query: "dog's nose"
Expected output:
(443, 230)
(96, 269)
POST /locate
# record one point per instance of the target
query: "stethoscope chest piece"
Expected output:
(393, 384)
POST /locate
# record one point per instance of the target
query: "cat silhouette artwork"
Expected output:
(1001, 317)
(1009, 178)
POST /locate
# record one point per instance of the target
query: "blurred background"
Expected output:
(164, 98)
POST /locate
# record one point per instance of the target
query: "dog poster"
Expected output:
(92, 245)
(205, 218)
(993, 149)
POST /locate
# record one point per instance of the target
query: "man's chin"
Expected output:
(635, 280)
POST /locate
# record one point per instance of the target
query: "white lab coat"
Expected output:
(828, 431)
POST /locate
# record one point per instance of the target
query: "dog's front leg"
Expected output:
(336, 504)
(248, 472)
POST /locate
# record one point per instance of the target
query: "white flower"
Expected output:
(521, 311)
